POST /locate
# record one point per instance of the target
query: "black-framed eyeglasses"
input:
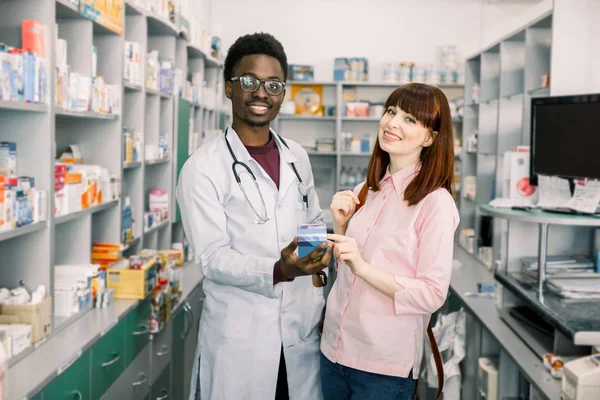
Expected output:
(251, 84)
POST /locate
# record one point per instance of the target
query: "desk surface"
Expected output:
(484, 309)
(578, 320)
(540, 217)
(33, 372)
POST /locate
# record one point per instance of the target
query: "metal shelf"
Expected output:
(158, 161)
(538, 216)
(61, 112)
(288, 117)
(22, 106)
(158, 26)
(361, 119)
(154, 92)
(88, 211)
(133, 9)
(157, 227)
(66, 9)
(132, 165)
(130, 87)
(24, 230)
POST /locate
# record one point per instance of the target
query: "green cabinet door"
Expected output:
(183, 142)
(177, 360)
(161, 388)
(137, 333)
(73, 383)
(108, 360)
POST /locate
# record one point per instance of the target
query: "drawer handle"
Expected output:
(144, 331)
(140, 382)
(111, 362)
(166, 396)
(164, 351)
(78, 394)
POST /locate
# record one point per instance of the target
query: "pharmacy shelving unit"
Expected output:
(328, 166)
(195, 116)
(70, 360)
(509, 73)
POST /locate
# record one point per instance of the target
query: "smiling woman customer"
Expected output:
(393, 242)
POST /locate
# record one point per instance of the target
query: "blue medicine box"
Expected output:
(309, 237)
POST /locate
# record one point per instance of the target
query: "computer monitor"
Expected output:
(565, 137)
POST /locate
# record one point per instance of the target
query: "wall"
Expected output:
(316, 31)
(575, 56)
(502, 18)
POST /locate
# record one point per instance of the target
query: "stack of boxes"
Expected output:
(79, 93)
(20, 202)
(133, 64)
(160, 73)
(80, 186)
(24, 72)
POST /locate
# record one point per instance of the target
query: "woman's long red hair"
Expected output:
(429, 106)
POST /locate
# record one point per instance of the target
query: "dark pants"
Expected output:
(282, 392)
(342, 383)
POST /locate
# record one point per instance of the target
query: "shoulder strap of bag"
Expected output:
(439, 366)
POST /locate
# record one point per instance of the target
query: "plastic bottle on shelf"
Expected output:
(351, 178)
(344, 177)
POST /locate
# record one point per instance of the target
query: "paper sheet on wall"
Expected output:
(586, 196)
(554, 192)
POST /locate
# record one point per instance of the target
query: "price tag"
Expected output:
(69, 362)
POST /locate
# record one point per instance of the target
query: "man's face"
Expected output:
(259, 108)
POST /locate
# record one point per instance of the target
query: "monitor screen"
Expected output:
(565, 137)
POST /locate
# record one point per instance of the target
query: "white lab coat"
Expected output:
(245, 318)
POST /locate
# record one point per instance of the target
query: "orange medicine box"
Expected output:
(33, 37)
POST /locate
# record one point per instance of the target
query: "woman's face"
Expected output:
(400, 134)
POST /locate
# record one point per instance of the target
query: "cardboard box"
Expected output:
(132, 284)
(39, 316)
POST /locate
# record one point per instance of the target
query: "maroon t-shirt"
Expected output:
(268, 158)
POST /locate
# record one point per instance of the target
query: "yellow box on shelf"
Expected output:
(132, 284)
(108, 13)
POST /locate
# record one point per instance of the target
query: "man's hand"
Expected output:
(292, 266)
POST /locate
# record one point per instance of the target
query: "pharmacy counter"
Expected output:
(485, 312)
(69, 357)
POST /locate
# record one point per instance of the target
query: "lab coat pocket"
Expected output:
(235, 323)
(301, 213)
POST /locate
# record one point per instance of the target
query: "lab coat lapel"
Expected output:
(287, 177)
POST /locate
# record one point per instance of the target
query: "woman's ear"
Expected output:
(430, 138)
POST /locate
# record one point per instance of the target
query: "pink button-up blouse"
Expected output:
(366, 330)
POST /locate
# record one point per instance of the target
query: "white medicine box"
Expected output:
(516, 177)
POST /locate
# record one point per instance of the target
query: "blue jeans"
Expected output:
(342, 383)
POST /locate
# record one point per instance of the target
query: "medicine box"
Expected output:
(130, 283)
(309, 237)
(8, 158)
(39, 316)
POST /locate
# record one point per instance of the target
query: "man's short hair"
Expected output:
(256, 43)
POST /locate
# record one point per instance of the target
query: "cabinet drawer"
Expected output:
(134, 383)
(137, 335)
(161, 388)
(73, 383)
(162, 350)
(108, 360)
(178, 383)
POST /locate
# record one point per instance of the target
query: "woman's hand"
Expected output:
(346, 251)
(343, 206)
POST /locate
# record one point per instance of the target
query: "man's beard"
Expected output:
(256, 124)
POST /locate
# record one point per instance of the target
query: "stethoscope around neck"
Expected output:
(262, 217)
